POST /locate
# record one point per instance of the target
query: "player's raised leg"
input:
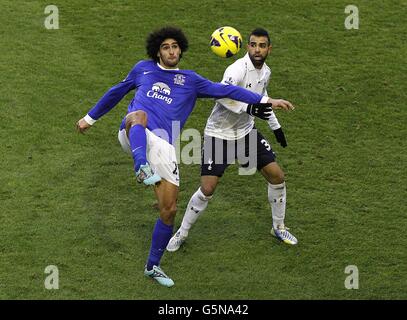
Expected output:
(136, 123)
(166, 194)
(196, 206)
(277, 199)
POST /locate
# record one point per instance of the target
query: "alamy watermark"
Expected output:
(352, 280)
(52, 20)
(209, 150)
(52, 280)
(352, 20)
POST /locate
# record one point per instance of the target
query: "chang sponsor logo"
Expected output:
(160, 91)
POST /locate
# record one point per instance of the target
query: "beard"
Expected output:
(257, 61)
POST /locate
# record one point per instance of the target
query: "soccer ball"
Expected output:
(226, 42)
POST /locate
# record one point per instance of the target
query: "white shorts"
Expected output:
(160, 154)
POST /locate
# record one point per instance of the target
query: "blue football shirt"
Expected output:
(168, 96)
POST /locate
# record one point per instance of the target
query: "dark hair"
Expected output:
(260, 32)
(156, 38)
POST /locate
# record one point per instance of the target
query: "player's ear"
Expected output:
(270, 48)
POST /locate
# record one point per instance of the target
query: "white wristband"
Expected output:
(274, 125)
(264, 99)
(89, 120)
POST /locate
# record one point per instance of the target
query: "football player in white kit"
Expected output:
(227, 131)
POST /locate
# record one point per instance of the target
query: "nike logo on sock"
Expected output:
(134, 150)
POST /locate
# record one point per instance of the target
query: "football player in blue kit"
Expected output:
(165, 96)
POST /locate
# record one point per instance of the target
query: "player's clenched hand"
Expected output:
(82, 125)
(281, 104)
(260, 110)
(280, 137)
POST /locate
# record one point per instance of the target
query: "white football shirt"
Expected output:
(228, 120)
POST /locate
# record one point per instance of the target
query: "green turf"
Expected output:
(72, 201)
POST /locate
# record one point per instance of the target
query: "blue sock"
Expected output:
(138, 145)
(161, 236)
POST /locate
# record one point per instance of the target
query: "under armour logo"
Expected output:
(229, 80)
(249, 85)
(194, 210)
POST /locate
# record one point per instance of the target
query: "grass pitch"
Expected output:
(72, 201)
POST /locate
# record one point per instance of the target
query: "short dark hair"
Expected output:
(260, 32)
(156, 38)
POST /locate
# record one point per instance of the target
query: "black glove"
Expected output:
(280, 137)
(260, 110)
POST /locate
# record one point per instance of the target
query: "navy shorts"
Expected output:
(253, 150)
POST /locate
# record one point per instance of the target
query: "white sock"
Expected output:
(196, 205)
(277, 199)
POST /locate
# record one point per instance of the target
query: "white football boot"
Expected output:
(176, 241)
(284, 235)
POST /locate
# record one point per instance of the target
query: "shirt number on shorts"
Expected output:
(176, 168)
(266, 144)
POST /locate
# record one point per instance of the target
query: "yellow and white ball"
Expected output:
(226, 42)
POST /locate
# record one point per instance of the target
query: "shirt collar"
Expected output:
(162, 68)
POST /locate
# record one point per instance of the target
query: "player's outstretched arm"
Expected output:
(281, 104)
(206, 88)
(109, 100)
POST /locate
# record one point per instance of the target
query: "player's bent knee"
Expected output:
(167, 214)
(208, 189)
(136, 117)
(273, 173)
(169, 210)
(279, 176)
